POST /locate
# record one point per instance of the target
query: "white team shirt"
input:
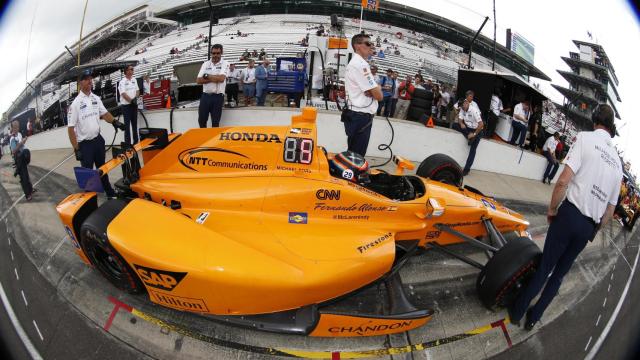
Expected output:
(519, 110)
(496, 105)
(129, 87)
(84, 116)
(473, 105)
(249, 75)
(358, 79)
(471, 117)
(598, 173)
(221, 68)
(550, 144)
(234, 76)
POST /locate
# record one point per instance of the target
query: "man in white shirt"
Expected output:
(83, 128)
(495, 108)
(232, 85)
(21, 157)
(213, 77)
(591, 182)
(249, 82)
(363, 94)
(129, 92)
(470, 125)
(549, 151)
(520, 123)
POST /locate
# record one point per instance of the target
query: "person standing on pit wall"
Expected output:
(470, 125)
(213, 78)
(232, 86)
(129, 93)
(549, 151)
(249, 82)
(520, 123)
(363, 94)
(84, 116)
(262, 73)
(591, 183)
(405, 91)
(22, 157)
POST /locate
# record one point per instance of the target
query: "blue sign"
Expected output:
(298, 218)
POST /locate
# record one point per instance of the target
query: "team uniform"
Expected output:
(358, 117)
(129, 108)
(519, 126)
(84, 116)
(595, 185)
(212, 98)
(494, 114)
(21, 159)
(472, 119)
(552, 166)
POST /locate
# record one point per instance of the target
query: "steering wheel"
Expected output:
(410, 191)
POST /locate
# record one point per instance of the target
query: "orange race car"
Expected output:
(260, 227)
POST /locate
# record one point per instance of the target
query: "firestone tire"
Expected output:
(95, 243)
(441, 167)
(507, 272)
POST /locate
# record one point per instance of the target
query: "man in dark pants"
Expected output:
(213, 78)
(549, 151)
(520, 123)
(21, 157)
(363, 94)
(470, 125)
(591, 181)
(84, 116)
(129, 93)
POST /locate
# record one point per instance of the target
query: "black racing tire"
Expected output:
(507, 272)
(95, 243)
(441, 167)
(415, 113)
(422, 94)
(421, 103)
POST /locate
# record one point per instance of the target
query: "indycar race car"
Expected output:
(260, 227)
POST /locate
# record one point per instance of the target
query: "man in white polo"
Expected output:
(549, 151)
(129, 93)
(213, 77)
(520, 123)
(470, 125)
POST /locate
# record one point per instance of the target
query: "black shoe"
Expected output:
(513, 321)
(544, 181)
(465, 173)
(529, 323)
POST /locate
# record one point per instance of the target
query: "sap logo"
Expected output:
(257, 137)
(324, 194)
(159, 279)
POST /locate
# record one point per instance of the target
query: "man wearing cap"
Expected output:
(591, 183)
(213, 78)
(129, 92)
(84, 116)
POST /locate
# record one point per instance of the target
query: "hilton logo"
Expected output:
(188, 304)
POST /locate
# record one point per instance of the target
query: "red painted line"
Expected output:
(500, 324)
(335, 355)
(117, 305)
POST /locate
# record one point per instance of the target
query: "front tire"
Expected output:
(507, 272)
(95, 243)
(441, 167)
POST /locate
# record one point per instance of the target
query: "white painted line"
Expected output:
(11, 252)
(16, 271)
(588, 342)
(598, 321)
(9, 240)
(24, 298)
(619, 252)
(38, 330)
(16, 324)
(609, 288)
(605, 302)
(616, 311)
(611, 276)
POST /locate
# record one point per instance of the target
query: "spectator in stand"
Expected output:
(249, 82)
(405, 91)
(520, 123)
(246, 55)
(549, 151)
(232, 86)
(262, 54)
(213, 78)
(381, 54)
(388, 87)
(495, 108)
(129, 93)
(419, 82)
(262, 72)
(374, 72)
(254, 54)
(394, 95)
(429, 86)
(21, 157)
(470, 125)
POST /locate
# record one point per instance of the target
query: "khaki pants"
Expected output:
(402, 107)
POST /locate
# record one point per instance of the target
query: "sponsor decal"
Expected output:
(347, 174)
(197, 158)
(434, 234)
(73, 239)
(366, 207)
(324, 194)
(359, 188)
(159, 279)
(363, 330)
(182, 303)
(302, 131)
(202, 217)
(291, 168)
(246, 136)
(298, 218)
(350, 217)
(488, 204)
(374, 243)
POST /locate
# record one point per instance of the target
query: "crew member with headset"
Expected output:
(84, 116)
(470, 125)
(591, 182)
(213, 78)
(363, 94)
(129, 92)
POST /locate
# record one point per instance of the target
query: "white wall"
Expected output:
(412, 140)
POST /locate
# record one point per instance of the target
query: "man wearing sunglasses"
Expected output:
(363, 94)
(213, 77)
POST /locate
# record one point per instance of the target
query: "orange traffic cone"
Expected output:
(168, 102)
(430, 122)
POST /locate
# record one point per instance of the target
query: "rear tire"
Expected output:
(95, 243)
(507, 272)
(441, 167)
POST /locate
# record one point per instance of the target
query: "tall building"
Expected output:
(592, 80)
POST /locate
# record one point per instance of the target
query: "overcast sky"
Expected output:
(549, 25)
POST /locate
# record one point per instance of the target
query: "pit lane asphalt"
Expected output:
(70, 313)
